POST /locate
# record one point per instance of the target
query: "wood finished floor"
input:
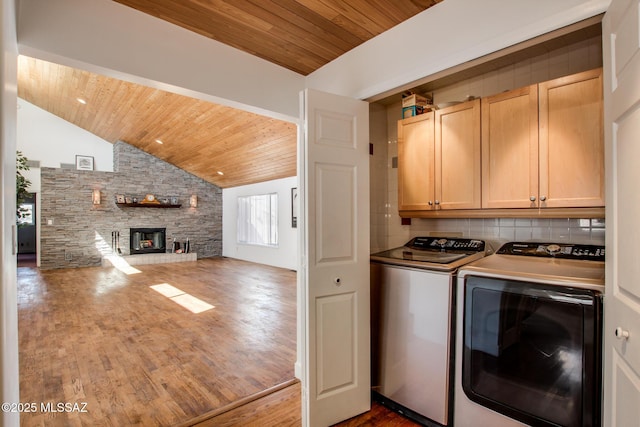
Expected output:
(100, 336)
(282, 409)
(136, 357)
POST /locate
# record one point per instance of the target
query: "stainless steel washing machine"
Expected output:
(412, 294)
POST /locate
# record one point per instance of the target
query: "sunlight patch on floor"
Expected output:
(110, 254)
(191, 303)
(122, 265)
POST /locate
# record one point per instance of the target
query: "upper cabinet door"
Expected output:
(510, 149)
(457, 161)
(572, 141)
(416, 162)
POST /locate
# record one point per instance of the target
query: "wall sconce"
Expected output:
(95, 196)
(193, 201)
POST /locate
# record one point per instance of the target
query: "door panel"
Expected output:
(337, 361)
(510, 149)
(416, 162)
(457, 161)
(571, 141)
(621, 48)
(336, 353)
(335, 190)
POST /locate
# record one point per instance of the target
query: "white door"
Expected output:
(621, 47)
(335, 253)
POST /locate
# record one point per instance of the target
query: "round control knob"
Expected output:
(621, 334)
(532, 198)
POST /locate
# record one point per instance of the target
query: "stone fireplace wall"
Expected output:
(76, 233)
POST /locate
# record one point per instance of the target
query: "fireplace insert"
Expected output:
(147, 240)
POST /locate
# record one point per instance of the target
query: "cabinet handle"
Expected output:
(532, 198)
(543, 198)
(337, 281)
(437, 202)
(621, 334)
(430, 203)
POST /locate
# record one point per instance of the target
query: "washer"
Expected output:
(412, 295)
(529, 335)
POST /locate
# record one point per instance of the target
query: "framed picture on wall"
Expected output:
(84, 163)
(294, 207)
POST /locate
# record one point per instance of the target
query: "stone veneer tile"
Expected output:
(80, 233)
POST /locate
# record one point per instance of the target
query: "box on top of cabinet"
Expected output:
(415, 100)
(414, 110)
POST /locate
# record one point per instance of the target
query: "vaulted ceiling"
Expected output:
(222, 145)
(219, 144)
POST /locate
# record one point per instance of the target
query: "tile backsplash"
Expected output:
(558, 230)
(495, 230)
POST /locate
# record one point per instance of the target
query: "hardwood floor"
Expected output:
(282, 409)
(106, 338)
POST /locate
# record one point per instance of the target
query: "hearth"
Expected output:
(147, 240)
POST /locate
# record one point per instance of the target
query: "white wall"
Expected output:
(286, 254)
(9, 380)
(51, 140)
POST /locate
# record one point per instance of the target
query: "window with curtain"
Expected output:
(258, 220)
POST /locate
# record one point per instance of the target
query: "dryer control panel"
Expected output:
(554, 250)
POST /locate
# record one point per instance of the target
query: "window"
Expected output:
(258, 220)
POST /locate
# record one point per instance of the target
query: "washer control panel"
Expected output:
(446, 244)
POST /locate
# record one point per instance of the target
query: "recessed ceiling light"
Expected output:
(220, 173)
(81, 101)
(159, 141)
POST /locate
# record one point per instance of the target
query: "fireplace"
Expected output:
(147, 240)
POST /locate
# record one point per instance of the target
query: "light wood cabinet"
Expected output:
(439, 159)
(510, 148)
(542, 146)
(457, 167)
(416, 162)
(572, 141)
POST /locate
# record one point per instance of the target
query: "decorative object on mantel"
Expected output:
(148, 201)
(84, 163)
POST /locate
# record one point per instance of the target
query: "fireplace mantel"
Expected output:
(147, 205)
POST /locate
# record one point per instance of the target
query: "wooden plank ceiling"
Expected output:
(200, 137)
(197, 136)
(301, 35)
